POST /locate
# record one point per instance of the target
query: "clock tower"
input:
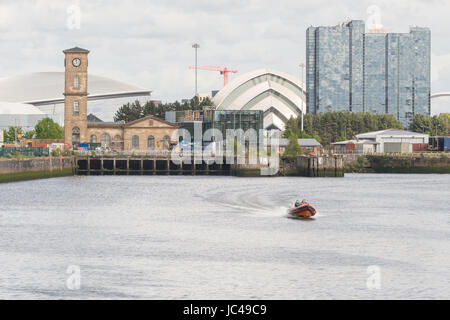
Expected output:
(76, 94)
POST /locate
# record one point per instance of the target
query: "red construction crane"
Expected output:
(223, 71)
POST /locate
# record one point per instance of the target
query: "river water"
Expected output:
(179, 237)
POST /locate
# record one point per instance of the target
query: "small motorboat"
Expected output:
(303, 210)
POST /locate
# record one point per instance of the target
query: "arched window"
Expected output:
(75, 135)
(93, 138)
(151, 142)
(166, 142)
(135, 141)
(105, 140)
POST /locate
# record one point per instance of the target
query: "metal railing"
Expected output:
(33, 152)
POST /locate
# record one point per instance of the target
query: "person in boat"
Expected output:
(302, 203)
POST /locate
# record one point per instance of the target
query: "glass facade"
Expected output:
(238, 119)
(375, 73)
(218, 119)
(350, 70)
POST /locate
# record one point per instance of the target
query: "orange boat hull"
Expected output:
(303, 211)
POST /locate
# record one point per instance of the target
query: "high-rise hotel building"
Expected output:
(348, 69)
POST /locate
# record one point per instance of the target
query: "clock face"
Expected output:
(76, 62)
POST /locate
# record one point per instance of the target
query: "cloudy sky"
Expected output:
(148, 43)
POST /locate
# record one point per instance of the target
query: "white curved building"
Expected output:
(45, 91)
(278, 94)
(19, 114)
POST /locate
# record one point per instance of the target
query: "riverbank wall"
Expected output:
(313, 166)
(406, 163)
(308, 166)
(12, 170)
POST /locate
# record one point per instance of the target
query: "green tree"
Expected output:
(133, 111)
(432, 125)
(10, 135)
(330, 127)
(129, 112)
(48, 129)
(293, 148)
(29, 134)
(149, 109)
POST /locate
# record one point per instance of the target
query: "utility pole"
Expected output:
(196, 46)
(302, 67)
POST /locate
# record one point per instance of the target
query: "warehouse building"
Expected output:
(395, 141)
(308, 145)
(355, 147)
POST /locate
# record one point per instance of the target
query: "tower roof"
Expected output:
(76, 49)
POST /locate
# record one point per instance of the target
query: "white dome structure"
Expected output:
(278, 94)
(41, 88)
(9, 108)
(45, 91)
(19, 114)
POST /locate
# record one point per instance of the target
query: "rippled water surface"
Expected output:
(165, 237)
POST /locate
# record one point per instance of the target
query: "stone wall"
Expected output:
(314, 166)
(350, 159)
(393, 163)
(143, 133)
(33, 168)
(438, 163)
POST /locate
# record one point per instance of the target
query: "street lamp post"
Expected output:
(302, 67)
(16, 130)
(196, 46)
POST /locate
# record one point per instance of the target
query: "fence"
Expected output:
(36, 152)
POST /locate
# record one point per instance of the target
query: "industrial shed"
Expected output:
(395, 141)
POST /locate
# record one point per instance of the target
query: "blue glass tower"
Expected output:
(350, 70)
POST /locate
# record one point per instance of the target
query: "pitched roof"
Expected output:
(93, 118)
(344, 142)
(366, 142)
(76, 49)
(283, 142)
(388, 132)
(150, 117)
(308, 143)
(105, 124)
(122, 124)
